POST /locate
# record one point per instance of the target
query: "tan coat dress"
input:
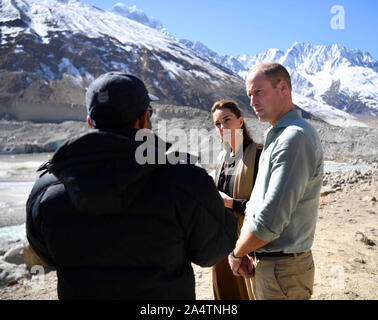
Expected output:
(226, 286)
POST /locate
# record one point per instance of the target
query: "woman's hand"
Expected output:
(228, 201)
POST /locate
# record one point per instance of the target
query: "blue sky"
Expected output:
(237, 27)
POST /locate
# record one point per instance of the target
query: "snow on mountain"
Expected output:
(249, 61)
(51, 49)
(326, 112)
(200, 48)
(133, 13)
(65, 43)
(342, 78)
(340, 82)
(41, 17)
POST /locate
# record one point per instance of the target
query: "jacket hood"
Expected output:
(99, 170)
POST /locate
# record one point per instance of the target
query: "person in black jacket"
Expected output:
(117, 229)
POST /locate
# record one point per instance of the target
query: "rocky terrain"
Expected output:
(339, 143)
(47, 60)
(345, 243)
(345, 248)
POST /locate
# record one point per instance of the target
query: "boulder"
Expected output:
(9, 272)
(14, 256)
(5, 247)
(30, 257)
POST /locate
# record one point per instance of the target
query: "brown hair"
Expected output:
(274, 73)
(233, 107)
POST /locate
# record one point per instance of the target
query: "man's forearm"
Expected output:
(247, 243)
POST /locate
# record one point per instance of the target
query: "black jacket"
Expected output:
(114, 229)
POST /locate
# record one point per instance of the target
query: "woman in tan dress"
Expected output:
(235, 175)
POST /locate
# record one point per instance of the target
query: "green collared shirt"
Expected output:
(284, 203)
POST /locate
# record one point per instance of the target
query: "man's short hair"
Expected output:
(274, 73)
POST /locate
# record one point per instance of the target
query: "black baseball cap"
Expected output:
(116, 99)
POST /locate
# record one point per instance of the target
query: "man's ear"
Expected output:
(89, 122)
(284, 88)
(142, 122)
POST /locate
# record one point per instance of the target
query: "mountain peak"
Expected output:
(47, 43)
(137, 15)
(51, 50)
(315, 58)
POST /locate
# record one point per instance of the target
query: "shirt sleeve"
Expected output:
(291, 165)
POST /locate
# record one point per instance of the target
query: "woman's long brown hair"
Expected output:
(233, 107)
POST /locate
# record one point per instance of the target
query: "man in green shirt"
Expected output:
(282, 212)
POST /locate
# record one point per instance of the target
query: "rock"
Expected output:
(359, 260)
(369, 198)
(326, 191)
(11, 272)
(359, 236)
(4, 248)
(2, 251)
(322, 202)
(12, 283)
(14, 255)
(30, 257)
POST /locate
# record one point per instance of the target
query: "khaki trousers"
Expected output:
(284, 278)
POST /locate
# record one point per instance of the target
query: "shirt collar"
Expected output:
(284, 122)
(288, 118)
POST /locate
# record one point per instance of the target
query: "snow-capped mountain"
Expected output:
(335, 76)
(249, 61)
(331, 81)
(138, 15)
(50, 51)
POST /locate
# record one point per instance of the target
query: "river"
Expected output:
(17, 176)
